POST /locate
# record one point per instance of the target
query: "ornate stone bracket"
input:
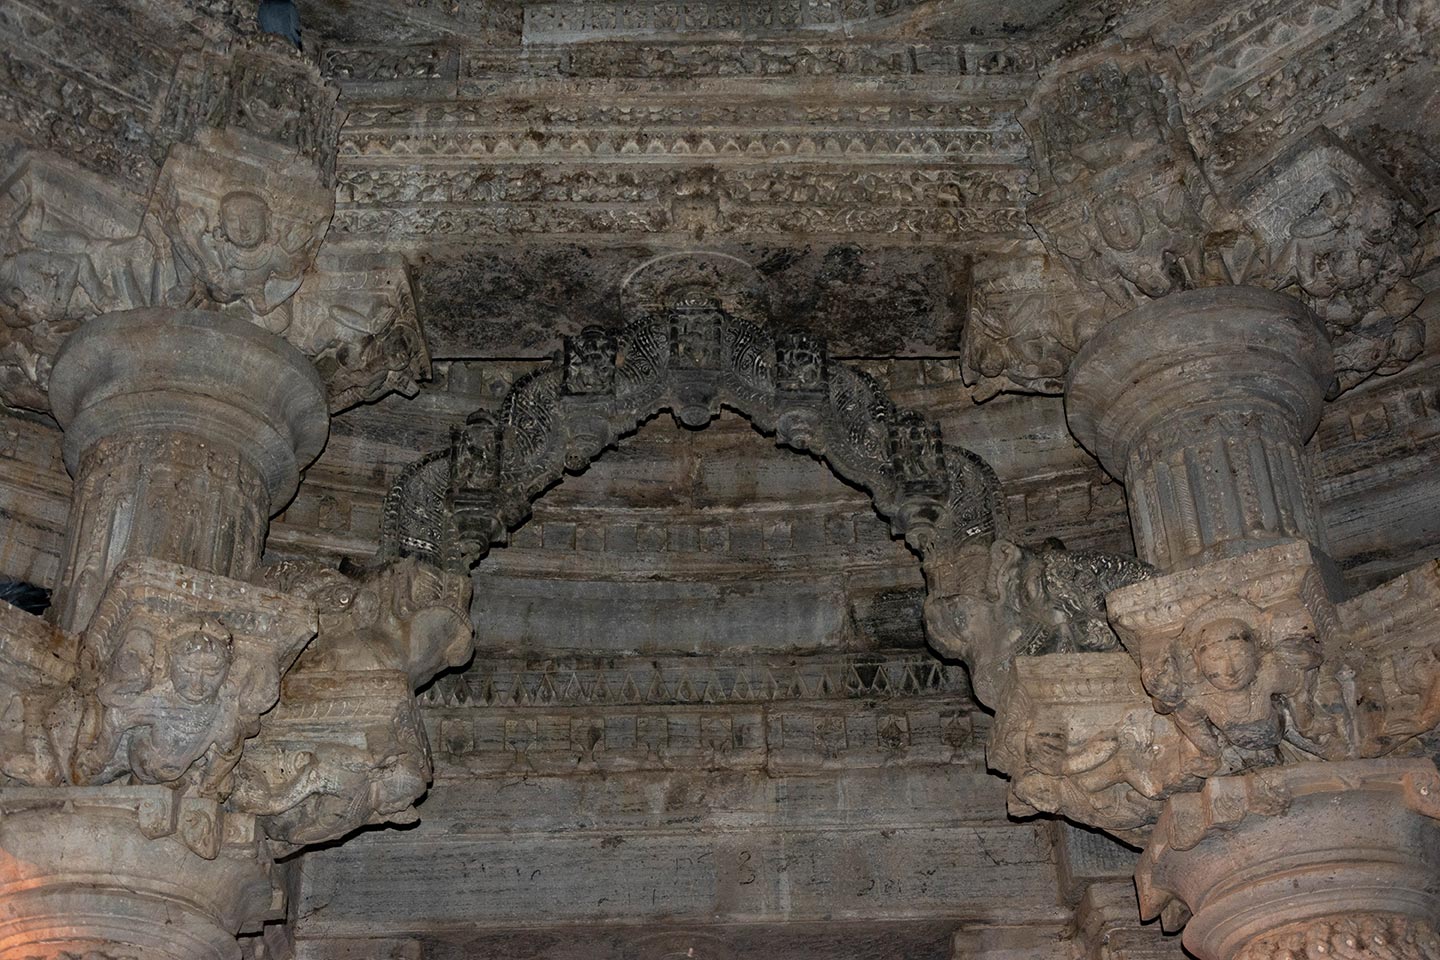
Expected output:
(1129, 213)
(169, 679)
(233, 224)
(1077, 736)
(345, 747)
(989, 603)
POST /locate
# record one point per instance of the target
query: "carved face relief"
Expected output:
(1120, 221)
(240, 231)
(200, 662)
(1226, 654)
(244, 219)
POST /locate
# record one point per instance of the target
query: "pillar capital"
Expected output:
(196, 372)
(128, 872)
(1201, 404)
(185, 431)
(1307, 852)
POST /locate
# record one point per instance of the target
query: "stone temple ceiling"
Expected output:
(870, 159)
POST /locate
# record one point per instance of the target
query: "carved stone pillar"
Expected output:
(122, 873)
(185, 431)
(1306, 860)
(1201, 404)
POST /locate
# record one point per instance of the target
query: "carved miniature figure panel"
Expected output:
(172, 676)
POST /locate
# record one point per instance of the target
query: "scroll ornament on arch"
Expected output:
(989, 600)
(699, 339)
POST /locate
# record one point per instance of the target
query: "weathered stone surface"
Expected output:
(703, 720)
(768, 856)
(500, 303)
(88, 869)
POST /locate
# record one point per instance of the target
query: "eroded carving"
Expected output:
(1028, 319)
(345, 748)
(1344, 239)
(1077, 737)
(990, 602)
(355, 315)
(244, 223)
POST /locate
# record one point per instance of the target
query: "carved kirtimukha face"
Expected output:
(199, 663)
(1226, 654)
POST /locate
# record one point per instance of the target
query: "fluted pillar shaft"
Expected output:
(185, 431)
(1201, 403)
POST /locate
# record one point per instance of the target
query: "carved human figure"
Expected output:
(987, 604)
(695, 334)
(590, 362)
(799, 363)
(1078, 737)
(1025, 338)
(801, 388)
(369, 350)
(1230, 684)
(165, 702)
(247, 253)
(1352, 257)
(1090, 781)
